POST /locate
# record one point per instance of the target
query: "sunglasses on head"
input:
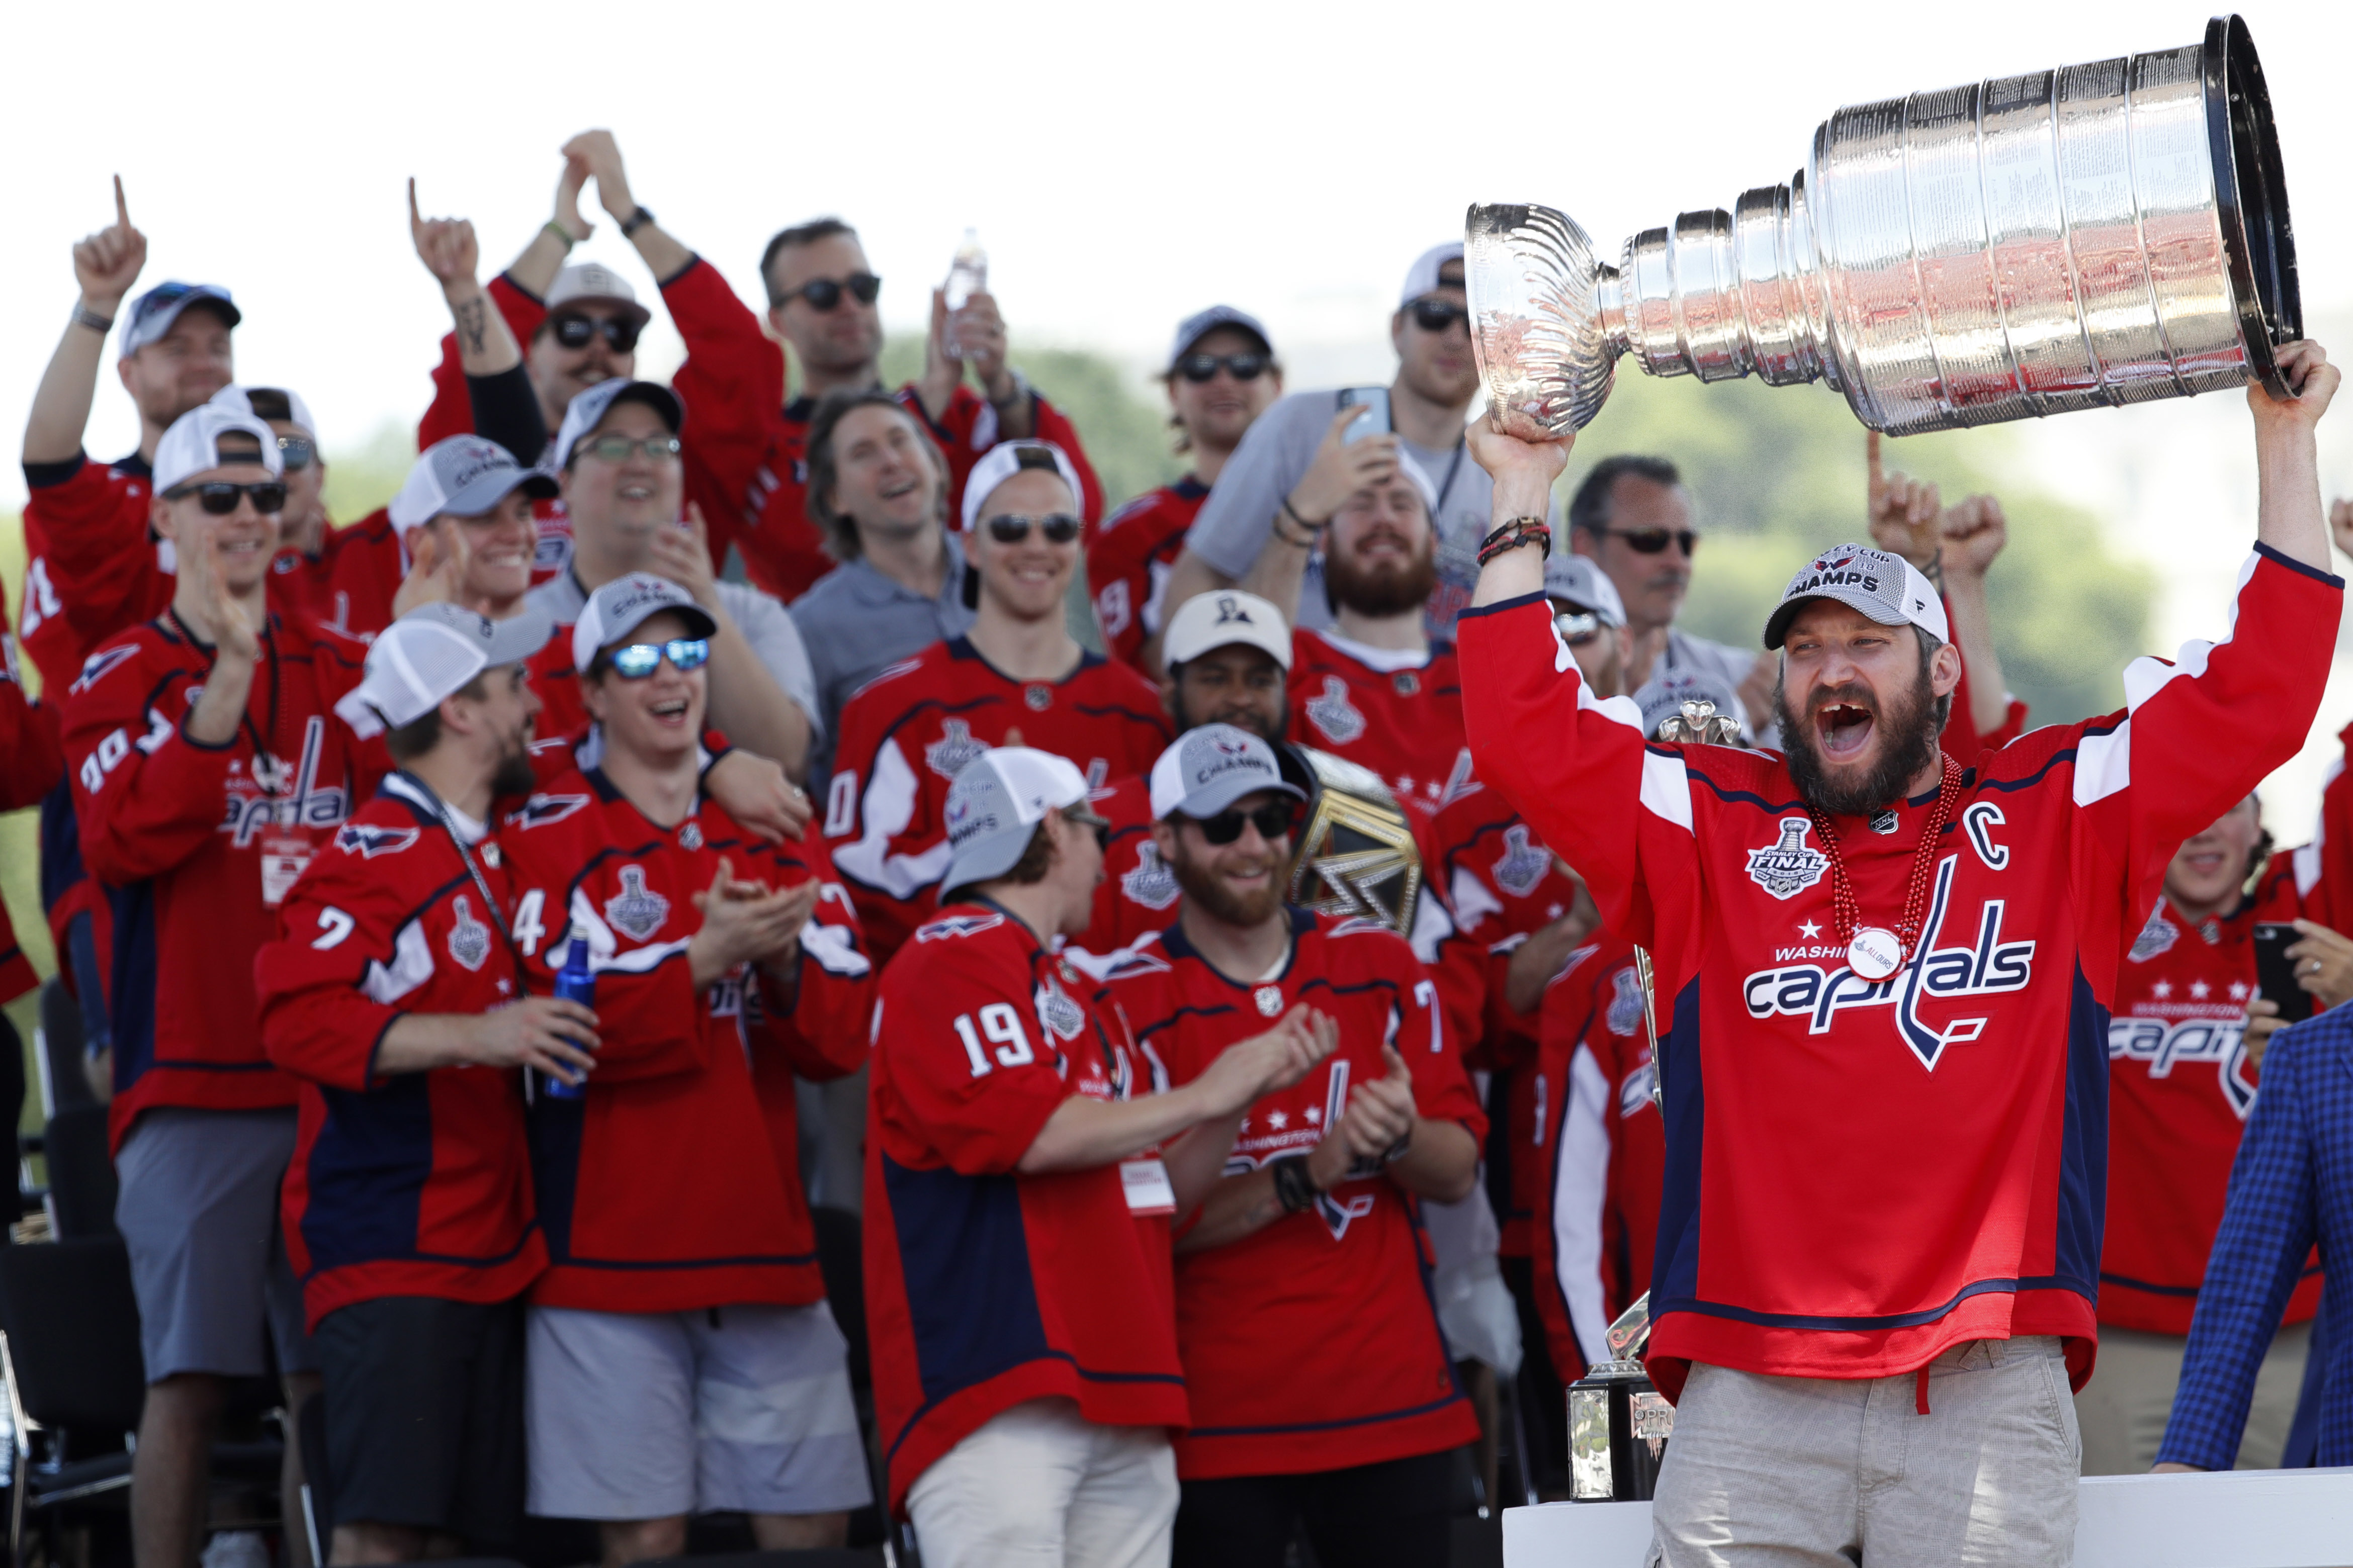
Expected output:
(640, 659)
(1272, 821)
(579, 331)
(1199, 368)
(619, 448)
(296, 453)
(219, 497)
(1577, 627)
(1438, 315)
(824, 293)
(1006, 528)
(1651, 540)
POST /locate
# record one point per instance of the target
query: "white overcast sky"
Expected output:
(1123, 164)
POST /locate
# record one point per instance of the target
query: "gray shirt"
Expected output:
(857, 623)
(1274, 456)
(763, 622)
(1685, 653)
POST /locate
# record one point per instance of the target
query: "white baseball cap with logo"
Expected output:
(1887, 588)
(464, 476)
(428, 655)
(1210, 767)
(1218, 619)
(995, 805)
(626, 603)
(589, 280)
(192, 445)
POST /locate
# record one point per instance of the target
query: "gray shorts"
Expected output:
(648, 1416)
(197, 1207)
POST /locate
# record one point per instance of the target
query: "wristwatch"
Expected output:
(636, 221)
(1020, 389)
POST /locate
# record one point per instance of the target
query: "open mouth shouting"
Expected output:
(670, 713)
(1843, 729)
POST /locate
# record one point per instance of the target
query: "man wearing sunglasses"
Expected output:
(1297, 466)
(1316, 1221)
(753, 480)
(207, 767)
(1018, 672)
(308, 543)
(1221, 376)
(681, 1355)
(93, 567)
(623, 485)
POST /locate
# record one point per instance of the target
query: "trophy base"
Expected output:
(1619, 1423)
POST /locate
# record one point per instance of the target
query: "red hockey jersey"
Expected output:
(907, 731)
(32, 760)
(2181, 1085)
(2324, 866)
(1129, 564)
(986, 1287)
(1399, 714)
(198, 853)
(1950, 1180)
(1311, 1344)
(634, 1222)
(1601, 1153)
(416, 1183)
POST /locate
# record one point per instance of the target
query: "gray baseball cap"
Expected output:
(1887, 588)
(430, 652)
(1581, 581)
(995, 805)
(626, 603)
(595, 281)
(465, 476)
(1201, 323)
(153, 313)
(1211, 767)
(589, 410)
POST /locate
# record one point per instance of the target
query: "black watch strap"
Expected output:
(1294, 1189)
(636, 221)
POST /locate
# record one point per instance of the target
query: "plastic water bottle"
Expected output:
(967, 276)
(575, 982)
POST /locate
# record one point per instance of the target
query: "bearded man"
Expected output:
(1883, 985)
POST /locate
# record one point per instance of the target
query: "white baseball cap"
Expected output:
(1210, 767)
(1887, 588)
(1215, 620)
(464, 475)
(193, 444)
(1581, 581)
(589, 410)
(153, 313)
(595, 281)
(430, 653)
(995, 805)
(626, 603)
(1000, 463)
(241, 399)
(1422, 278)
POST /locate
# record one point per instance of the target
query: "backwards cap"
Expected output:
(429, 654)
(193, 444)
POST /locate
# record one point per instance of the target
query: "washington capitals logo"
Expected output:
(1523, 864)
(543, 809)
(947, 755)
(1790, 865)
(470, 939)
(1824, 563)
(958, 925)
(96, 666)
(1333, 714)
(367, 842)
(636, 910)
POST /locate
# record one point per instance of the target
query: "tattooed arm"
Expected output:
(447, 247)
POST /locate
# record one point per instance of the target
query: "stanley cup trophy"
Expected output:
(2084, 237)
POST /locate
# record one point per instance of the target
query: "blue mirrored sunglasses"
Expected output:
(640, 659)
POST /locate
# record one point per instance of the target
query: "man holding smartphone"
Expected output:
(1286, 479)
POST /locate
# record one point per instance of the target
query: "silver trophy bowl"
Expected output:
(2084, 237)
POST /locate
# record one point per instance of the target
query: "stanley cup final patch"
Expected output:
(636, 910)
(1787, 865)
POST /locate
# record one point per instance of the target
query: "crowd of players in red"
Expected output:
(252, 896)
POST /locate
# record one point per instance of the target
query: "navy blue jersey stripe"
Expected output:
(1338, 1425)
(748, 1260)
(971, 1286)
(1884, 1320)
(1088, 1372)
(455, 1259)
(367, 1171)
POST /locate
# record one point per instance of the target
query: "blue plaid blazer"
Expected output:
(2291, 1185)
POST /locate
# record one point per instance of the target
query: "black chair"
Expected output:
(63, 1079)
(318, 1488)
(841, 1258)
(81, 1172)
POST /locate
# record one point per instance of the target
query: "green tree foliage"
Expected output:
(363, 477)
(1776, 474)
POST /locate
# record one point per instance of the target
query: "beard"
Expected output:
(514, 775)
(1905, 734)
(1242, 717)
(1389, 589)
(1221, 902)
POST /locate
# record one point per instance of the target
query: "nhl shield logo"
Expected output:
(1523, 864)
(691, 837)
(1788, 865)
(1333, 714)
(1407, 683)
(1884, 822)
(1152, 883)
(636, 911)
(947, 755)
(1038, 698)
(1268, 999)
(2156, 937)
(470, 939)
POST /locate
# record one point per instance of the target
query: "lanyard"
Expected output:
(1447, 488)
(482, 884)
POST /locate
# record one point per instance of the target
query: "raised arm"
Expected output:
(665, 256)
(486, 346)
(1340, 469)
(106, 263)
(2287, 457)
(1953, 547)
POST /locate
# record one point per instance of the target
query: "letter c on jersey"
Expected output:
(1978, 822)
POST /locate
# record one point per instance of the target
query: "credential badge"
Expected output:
(636, 910)
(1787, 865)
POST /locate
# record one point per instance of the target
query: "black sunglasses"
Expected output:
(1272, 821)
(220, 497)
(1199, 368)
(1651, 540)
(824, 293)
(1059, 528)
(579, 331)
(1437, 315)
(296, 453)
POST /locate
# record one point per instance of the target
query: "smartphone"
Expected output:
(1374, 420)
(2276, 971)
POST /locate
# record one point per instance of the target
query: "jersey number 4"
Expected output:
(1001, 1024)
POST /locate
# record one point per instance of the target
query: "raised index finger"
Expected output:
(121, 209)
(1871, 456)
(416, 218)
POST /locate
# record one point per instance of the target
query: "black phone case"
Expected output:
(2276, 972)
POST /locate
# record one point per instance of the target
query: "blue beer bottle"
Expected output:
(574, 983)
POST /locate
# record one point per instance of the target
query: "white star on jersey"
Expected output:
(1314, 1113)
(1810, 930)
(2238, 990)
(2161, 990)
(1278, 1120)
(2197, 989)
